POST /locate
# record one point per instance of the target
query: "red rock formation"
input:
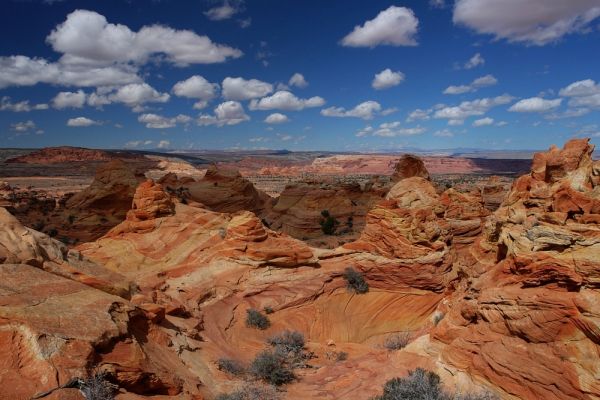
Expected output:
(150, 201)
(51, 155)
(409, 166)
(225, 190)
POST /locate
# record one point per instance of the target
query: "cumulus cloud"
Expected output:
(533, 22)
(240, 89)
(535, 105)
(365, 110)
(69, 100)
(475, 61)
(26, 71)
(437, 3)
(395, 26)
(23, 127)
(155, 121)
(390, 129)
(225, 11)
(276, 118)
(387, 79)
(298, 80)
(196, 87)
(6, 104)
(97, 53)
(136, 94)
(86, 37)
(585, 93)
(227, 113)
(419, 114)
(163, 144)
(466, 109)
(284, 100)
(487, 80)
(483, 122)
(81, 122)
(443, 133)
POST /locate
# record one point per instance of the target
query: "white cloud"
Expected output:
(69, 100)
(6, 104)
(23, 127)
(227, 113)
(443, 133)
(367, 130)
(392, 129)
(136, 94)
(475, 61)
(225, 11)
(437, 3)
(535, 104)
(456, 122)
(395, 26)
(533, 22)
(484, 81)
(86, 37)
(163, 144)
(25, 71)
(501, 123)
(483, 122)
(196, 87)
(585, 93)
(298, 80)
(419, 114)
(81, 122)
(284, 100)
(365, 110)
(470, 108)
(154, 121)
(387, 79)
(276, 118)
(240, 89)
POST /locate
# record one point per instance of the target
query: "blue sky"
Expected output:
(301, 75)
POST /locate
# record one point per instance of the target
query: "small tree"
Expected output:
(328, 223)
(355, 281)
(397, 341)
(256, 319)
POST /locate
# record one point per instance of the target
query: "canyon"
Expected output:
(146, 272)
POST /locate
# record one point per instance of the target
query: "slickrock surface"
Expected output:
(507, 301)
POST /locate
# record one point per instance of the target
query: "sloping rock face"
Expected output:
(527, 318)
(409, 166)
(298, 210)
(150, 201)
(225, 190)
(62, 316)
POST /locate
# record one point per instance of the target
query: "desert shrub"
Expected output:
(397, 341)
(271, 367)
(71, 219)
(355, 281)
(424, 385)
(418, 385)
(336, 355)
(52, 232)
(268, 310)
(232, 367)
(251, 392)
(256, 319)
(287, 342)
(97, 387)
(328, 223)
(437, 317)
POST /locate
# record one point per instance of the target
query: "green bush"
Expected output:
(328, 223)
(255, 319)
(272, 368)
(355, 281)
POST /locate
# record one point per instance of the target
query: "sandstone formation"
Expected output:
(51, 155)
(505, 301)
(225, 190)
(409, 166)
(298, 210)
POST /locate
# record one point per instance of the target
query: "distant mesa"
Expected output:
(64, 154)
